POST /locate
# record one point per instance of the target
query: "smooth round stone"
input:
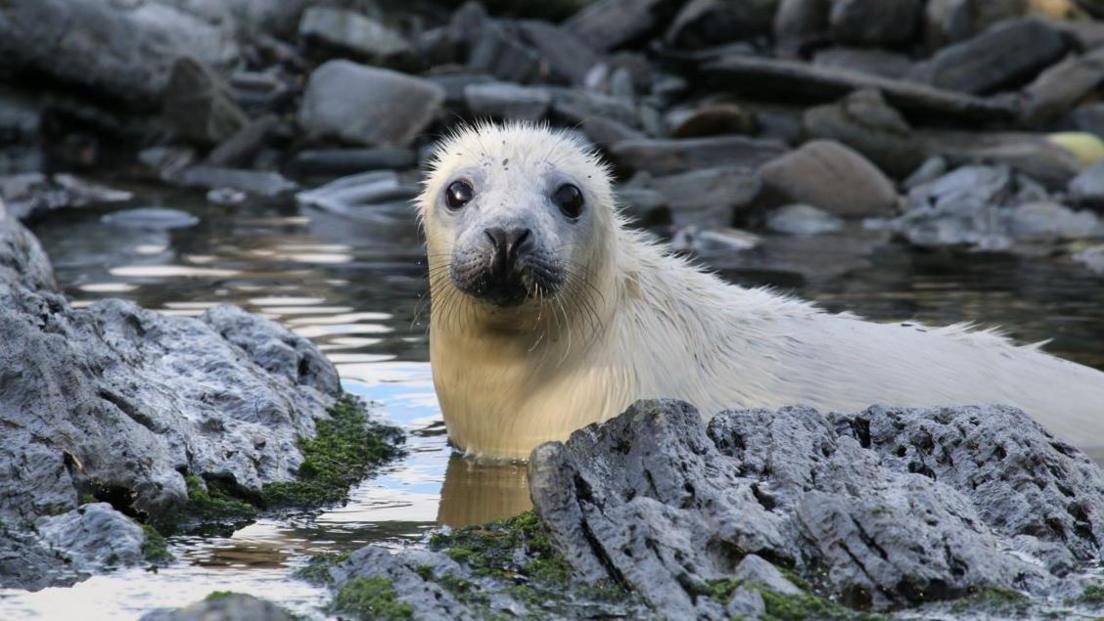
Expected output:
(155, 218)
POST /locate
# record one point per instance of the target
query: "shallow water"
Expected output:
(357, 289)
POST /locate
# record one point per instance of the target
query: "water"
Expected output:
(357, 289)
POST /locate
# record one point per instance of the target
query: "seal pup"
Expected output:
(548, 313)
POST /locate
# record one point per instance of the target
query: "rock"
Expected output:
(796, 81)
(710, 120)
(349, 161)
(151, 218)
(260, 183)
(664, 157)
(605, 132)
(757, 570)
(373, 196)
(574, 106)
(224, 607)
(886, 22)
(832, 177)
(198, 104)
(240, 148)
(93, 537)
(367, 105)
(643, 205)
(802, 220)
(797, 23)
(32, 195)
(1004, 56)
(1089, 118)
(708, 23)
(609, 24)
(932, 169)
(708, 197)
(346, 31)
(497, 48)
(889, 506)
(505, 101)
(1092, 258)
(22, 260)
(226, 196)
(20, 116)
(145, 39)
(1035, 155)
(1087, 188)
(1061, 87)
(873, 61)
(714, 242)
(567, 56)
(1048, 221)
(1087, 149)
(167, 160)
(952, 21)
(258, 91)
(864, 122)
(455, 83)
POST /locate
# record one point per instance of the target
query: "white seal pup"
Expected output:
(548, 313)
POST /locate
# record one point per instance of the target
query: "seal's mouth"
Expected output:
(507, 284)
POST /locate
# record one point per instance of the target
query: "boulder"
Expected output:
(1050, 221)
(665, 156)
(866, 123)
(367, 105)
(832, 177)
(497, 48)
(1004, 56)
(224, 607)
(609, 24)
(125, 49)
(886, 22)
(798, 23)
(506, 101)
(707, 23)
(242, 147)
(199, 106)
(339, 30)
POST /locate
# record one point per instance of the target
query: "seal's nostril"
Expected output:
(508, 243)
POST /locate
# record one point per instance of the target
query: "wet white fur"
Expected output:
(508, 380)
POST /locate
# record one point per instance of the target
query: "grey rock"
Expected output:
(226, 196)
(33, 195)
(707, 23)
(348, 161)
(151, 218)
(866, 123)
(455, 83)
(832, 177)
(378, 196)
(167, 160)
(932, 169)
(887, 22)
(367, 105)
(609, 24)
(1089, 118)
(575, 106)
(198, 105)
(498, 49)
(353, 33)
(642, 204)
(714, 242)
(93, 536)
(605, 132)
(1046, 220)
(802, 220)
(665, 157)
(567, 56)
(1092, 258)
(746, 604)
(22, 260)
(710, 120)
(256, 182)
(124, 52)
(865, 60)
(27, 563)
(1004, 56)
(798, 23)
(1032, 154)
(231, 607)
(505, 101)
(240, 148)
(890, 506)
(708, 197)
(756, 570)
(1087, 188)
(952, 21)
(1058, 89)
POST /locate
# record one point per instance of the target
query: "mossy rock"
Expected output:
(371, 599)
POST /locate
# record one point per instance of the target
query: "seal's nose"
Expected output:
(508, 244)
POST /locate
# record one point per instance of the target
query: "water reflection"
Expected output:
(475, 493)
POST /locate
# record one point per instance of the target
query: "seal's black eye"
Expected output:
(569, 199)
(458, 194)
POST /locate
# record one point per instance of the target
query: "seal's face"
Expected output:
(511, 214)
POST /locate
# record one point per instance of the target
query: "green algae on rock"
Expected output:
(370, 599)
(155, 549)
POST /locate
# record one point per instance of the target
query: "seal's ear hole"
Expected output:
(569, 199)
(458, 194)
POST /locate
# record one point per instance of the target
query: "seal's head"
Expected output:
(515, 214)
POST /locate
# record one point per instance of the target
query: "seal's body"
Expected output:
(548, 314)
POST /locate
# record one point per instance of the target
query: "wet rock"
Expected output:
(711, 242)
(352, 33)
(887, 22)
(890, 506)
(349, 161)
(151, 218)
(1004, 56)
(505, 101)
(1061, 87)
(372, 196)
(952, 21)
(710, 120)
(145, 40)
(609, 24)
(832, 177)
(93, 537)
(22, 260)
(707, 23)
(797, 81)
(1092, 258)
(664, 157)
(1087, 188)
(367, 105)
(256, 182)
(710, 196)
(873, 61)
(198, 104)
(33, 195)
(864, 122)
(224, 607)
(567, 56)
(802, 220)
(240, 149)
(798, 23)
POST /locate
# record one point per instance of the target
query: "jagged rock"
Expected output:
(800, 22)
(224, 607)
(146, 38)
(367, 105)
(198, 104)
(886, 22)
(707, 23)
(865, 60)
(832, 177)
(932, 169)
(610, 24)
(802, 220)
(1061, 87)
(505, 101)
(353, 33)
(890, 506)
(864, 122)
(1005, 55)
(952, 21)
(665, 157)
(22, 260)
